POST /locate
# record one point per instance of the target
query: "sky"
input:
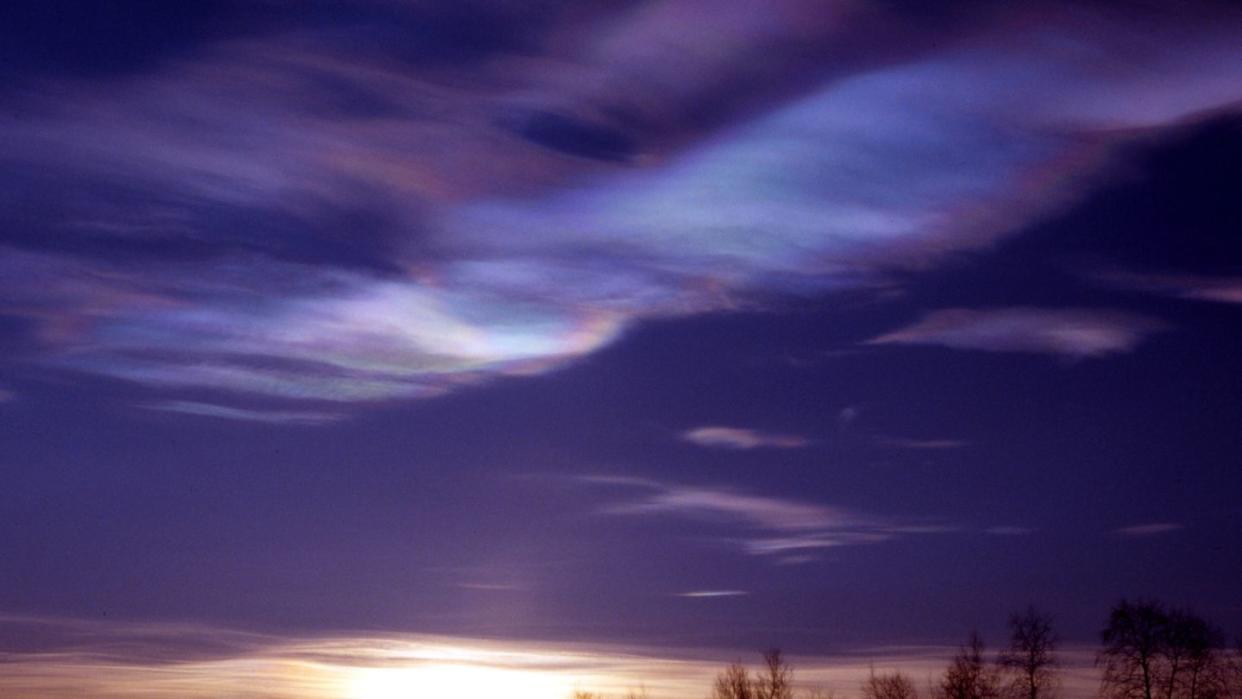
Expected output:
(666, 330)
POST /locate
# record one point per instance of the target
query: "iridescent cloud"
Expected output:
(312, 220)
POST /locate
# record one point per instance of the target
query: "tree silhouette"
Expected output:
(968, 675)
(1134, 643)
(775, 681)
(1031, 655)
(893, 685)
(734, 683)
(1151, 652)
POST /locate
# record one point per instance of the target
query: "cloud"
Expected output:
(702, 594)
(742, 438)
(1006, 530)
(304, 216)
(1184, 286)
(1150, 529)
(848, 415)
(769, 525)
(931, 444)
(283, 417)
(491, 587)
(1070, 332)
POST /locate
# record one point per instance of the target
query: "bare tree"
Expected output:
(968, 675)
(1030, 658)
(1233, 671)
(892, 685)
(1134, 645)
(1195, 648)
(775, 681)
(734, 682)
(1151, 652)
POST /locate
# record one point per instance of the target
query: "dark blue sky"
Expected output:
(483, 320)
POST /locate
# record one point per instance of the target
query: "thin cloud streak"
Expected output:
(1069, 332)
(918, 444)
(1007, 530)
(1149, 529)
(1184, 286)
(742, 438)
(282, 417)
(773, 526)
(708, 594)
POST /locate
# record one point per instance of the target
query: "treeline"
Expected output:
(1148, 651)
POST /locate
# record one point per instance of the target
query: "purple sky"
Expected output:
(684, 325)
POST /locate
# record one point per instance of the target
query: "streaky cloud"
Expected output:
(1070, 332)
(284, 417)
(1009, 530)
(709, 594)
(718, 437)
(1149, 529)
(769, 526)
(924, 444)
(1185, 286)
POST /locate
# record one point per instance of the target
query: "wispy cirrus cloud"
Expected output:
(1009, 530)
(742, 438)
(1070, 332)
(925, 444)
(305, 218)
(711, 594)
(1185, 286)
(282, 417)
(769, 525)
(1149, 529)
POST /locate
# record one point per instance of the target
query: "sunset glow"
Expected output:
(620, 349)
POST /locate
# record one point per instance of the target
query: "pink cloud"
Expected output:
(1071, 332)
(742, 438)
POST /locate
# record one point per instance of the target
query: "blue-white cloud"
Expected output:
(297, 249)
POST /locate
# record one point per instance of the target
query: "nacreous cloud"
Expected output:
(1074, 333)
(314, 219)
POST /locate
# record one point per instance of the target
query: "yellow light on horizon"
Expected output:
(451, 681)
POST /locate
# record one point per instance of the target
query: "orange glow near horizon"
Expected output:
(165, 661)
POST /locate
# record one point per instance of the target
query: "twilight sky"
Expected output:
(711, 325)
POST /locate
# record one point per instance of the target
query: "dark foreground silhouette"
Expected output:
(1148, 651)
